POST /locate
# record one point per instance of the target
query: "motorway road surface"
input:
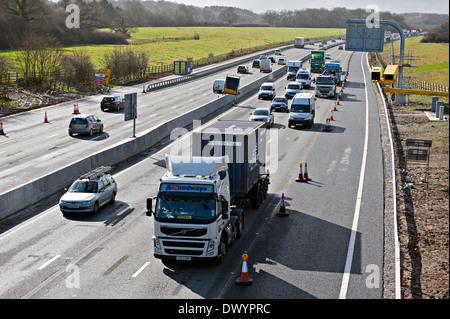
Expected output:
(308, 254)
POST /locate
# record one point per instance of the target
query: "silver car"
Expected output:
(87, 124)
(89, 192)
(263, 114)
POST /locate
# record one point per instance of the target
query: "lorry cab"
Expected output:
(304, 77)
(302, 110)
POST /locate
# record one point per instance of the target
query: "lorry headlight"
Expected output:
(156, 244)
(211, 245)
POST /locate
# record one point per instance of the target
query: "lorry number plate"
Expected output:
(183, 258)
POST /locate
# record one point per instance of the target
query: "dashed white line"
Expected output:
(141, 269)
(49, 262)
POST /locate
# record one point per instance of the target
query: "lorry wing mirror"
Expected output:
(149, 207)
(222, 174)
(224, 209)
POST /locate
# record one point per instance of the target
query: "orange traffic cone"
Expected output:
(143, 89)
(282, 211)
(337, 100)
(75, 109)
(46, 118)
(327, 125)
(300, 175)
(335, 109)
(331, 115)
(2, 132)
(305, 175)
(244, 279)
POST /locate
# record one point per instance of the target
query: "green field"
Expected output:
(430, 61)
(215, 40)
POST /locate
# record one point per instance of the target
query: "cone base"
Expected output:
(244, 282)
(301, 180)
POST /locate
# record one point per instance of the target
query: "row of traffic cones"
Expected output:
(76, 110)
(303, 177)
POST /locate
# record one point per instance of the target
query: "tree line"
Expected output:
(21, 17)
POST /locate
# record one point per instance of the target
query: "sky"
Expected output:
(394, 6)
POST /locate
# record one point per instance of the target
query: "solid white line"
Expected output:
(49, 262)
(52, 136)
(141, 269)
(351, 244)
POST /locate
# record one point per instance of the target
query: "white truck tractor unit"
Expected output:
(325, 85)
(199, 210)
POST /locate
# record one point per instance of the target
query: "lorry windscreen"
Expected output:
(300, 108)
(316, 61)
(325, 80)
(185, 207)
(293, 69)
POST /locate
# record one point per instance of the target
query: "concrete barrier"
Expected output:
(30, 193)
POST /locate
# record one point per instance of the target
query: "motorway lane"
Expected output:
(113, 254)
(304, 255)
(32, 148)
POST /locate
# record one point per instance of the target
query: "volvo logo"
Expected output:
(183, 231)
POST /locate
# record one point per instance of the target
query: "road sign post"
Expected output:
(130, 111)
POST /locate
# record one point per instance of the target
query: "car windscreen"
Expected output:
(266, 88)
(300, 108)
(293, 86)
(279, 99)
(108, 99)
(84, 187)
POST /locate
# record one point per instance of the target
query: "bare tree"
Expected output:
(229, 15)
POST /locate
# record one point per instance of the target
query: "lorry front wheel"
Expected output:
(222, 250)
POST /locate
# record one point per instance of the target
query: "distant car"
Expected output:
(89, 192)
(281, 61)
(256, 64)
(327, 56)
(341, 47)
(85, 124)
(321, 45)
(263, 56)
(112, 102)
(264, 115)
(277, 52)
(272, 59)
(279, 103)
(242, 69)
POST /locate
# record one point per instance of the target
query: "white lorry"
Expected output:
(299, 42)
(325, 85)
(292, 69)
(199, 210)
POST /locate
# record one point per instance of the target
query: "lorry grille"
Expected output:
(188, 232)
(183, 252)
(167, 243)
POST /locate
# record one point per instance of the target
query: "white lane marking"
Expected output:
(123, 211)
(141, 269)
(351, 244)
(52, 136)
(49, 262)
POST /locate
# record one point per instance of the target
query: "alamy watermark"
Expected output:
(373, 19)
(73, 19)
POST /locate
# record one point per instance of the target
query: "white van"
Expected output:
(302, 111)
(304, 77)
(267, 91)
(218, 86)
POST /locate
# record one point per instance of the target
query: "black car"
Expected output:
(112, 102)
(242, 69)
(255, 64)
